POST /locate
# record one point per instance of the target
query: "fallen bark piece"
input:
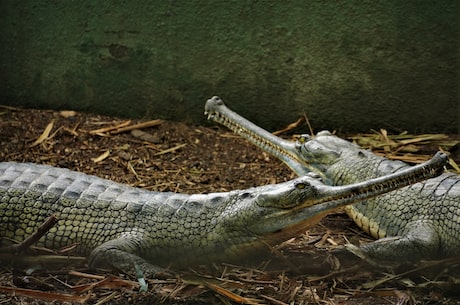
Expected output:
(145, 136)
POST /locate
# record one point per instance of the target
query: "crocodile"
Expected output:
(124, 227)
(420, 221)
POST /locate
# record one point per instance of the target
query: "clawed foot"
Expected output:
(149, 271)
(350, 252)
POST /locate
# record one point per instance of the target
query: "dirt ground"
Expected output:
(196, 159)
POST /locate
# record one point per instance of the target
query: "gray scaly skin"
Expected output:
(122, 226)
(421, 221)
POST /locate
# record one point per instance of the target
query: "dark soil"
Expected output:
(196, 159)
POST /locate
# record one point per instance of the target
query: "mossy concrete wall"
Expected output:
(349, 65)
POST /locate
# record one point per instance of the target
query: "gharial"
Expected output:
(125, 227)
(420, 221)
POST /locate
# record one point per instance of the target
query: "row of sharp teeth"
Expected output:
(259, 141)
(412, 178)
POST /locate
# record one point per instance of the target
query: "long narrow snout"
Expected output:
(284, 150)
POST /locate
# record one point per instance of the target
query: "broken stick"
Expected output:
(137, 126)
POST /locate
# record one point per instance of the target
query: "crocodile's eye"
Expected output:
(304, 138)
(302, 185)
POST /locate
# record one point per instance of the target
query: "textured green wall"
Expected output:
(350, 65)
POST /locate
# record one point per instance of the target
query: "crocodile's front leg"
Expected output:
(121, 254)
(420, 241)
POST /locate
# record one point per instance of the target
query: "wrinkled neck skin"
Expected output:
(250, 220)
(276, 212)
(342, 161)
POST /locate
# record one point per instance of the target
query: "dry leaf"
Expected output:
(289, 127)
(44, 135)
(101, 157)
(454, 165)
(230, 295)
(170, 149)
(132, 170)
